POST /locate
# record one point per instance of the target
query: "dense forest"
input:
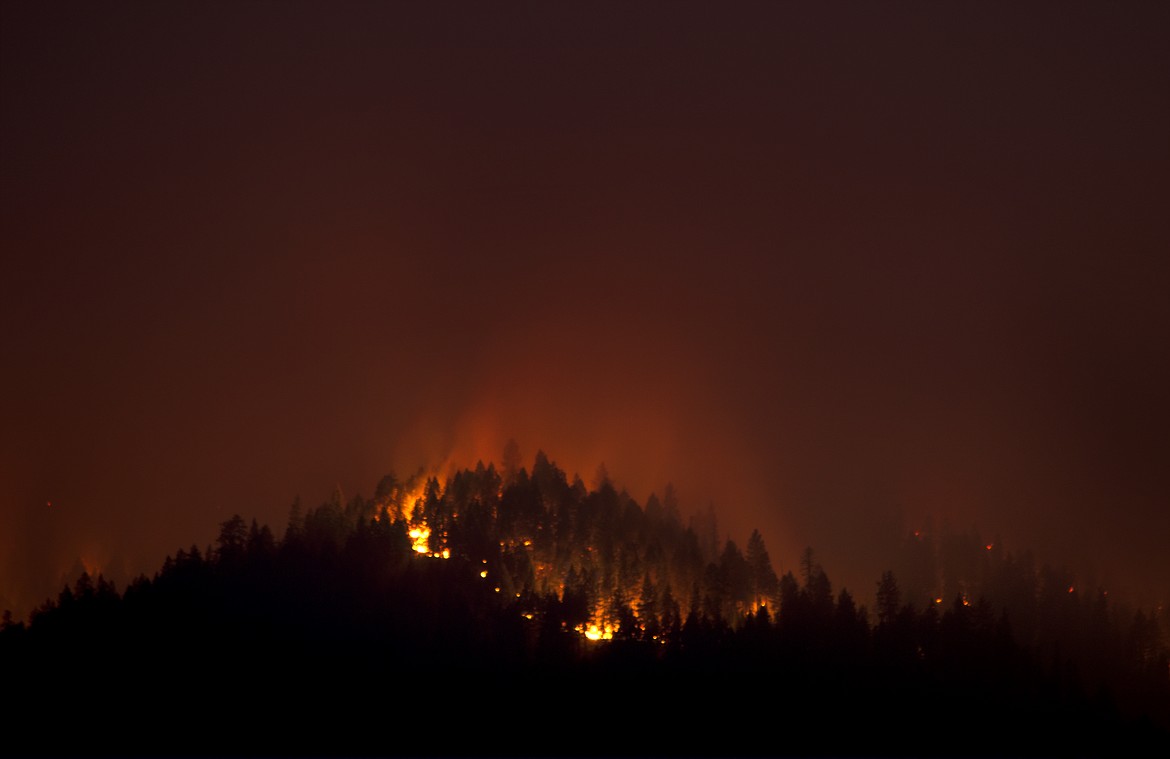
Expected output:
(514, 611)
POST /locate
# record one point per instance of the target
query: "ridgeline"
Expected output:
(517, 612)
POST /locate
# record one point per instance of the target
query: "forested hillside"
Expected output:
(516, 611)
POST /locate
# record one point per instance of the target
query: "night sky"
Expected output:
(843, 270)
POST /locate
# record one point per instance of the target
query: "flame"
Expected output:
(408, 497)
(595, 632)
(420, 539)
(402, 504)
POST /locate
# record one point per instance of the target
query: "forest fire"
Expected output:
(407, 502)
(573, 569)
(890, 285)
(420, 537)
(595, 632)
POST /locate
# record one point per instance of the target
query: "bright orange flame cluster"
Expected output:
(420, 535)
(406, 500)
(595, 632)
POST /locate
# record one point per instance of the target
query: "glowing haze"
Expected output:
(842, 272)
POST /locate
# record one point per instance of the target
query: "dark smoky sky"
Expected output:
(841, 269)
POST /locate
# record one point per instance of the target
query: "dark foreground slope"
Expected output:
(325, 657)
(348, 638)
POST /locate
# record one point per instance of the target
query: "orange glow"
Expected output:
(419, 539)
(401, 505)
(91, 563)
(408, 498)
(594, 632)
(988, 546)
(1071, 589)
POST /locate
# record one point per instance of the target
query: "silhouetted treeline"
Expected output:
(460, 617)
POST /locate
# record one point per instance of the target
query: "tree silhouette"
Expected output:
(765, 585)
(889, 598)
(455, 648)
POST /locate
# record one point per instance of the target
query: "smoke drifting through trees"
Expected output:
(516, 610)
